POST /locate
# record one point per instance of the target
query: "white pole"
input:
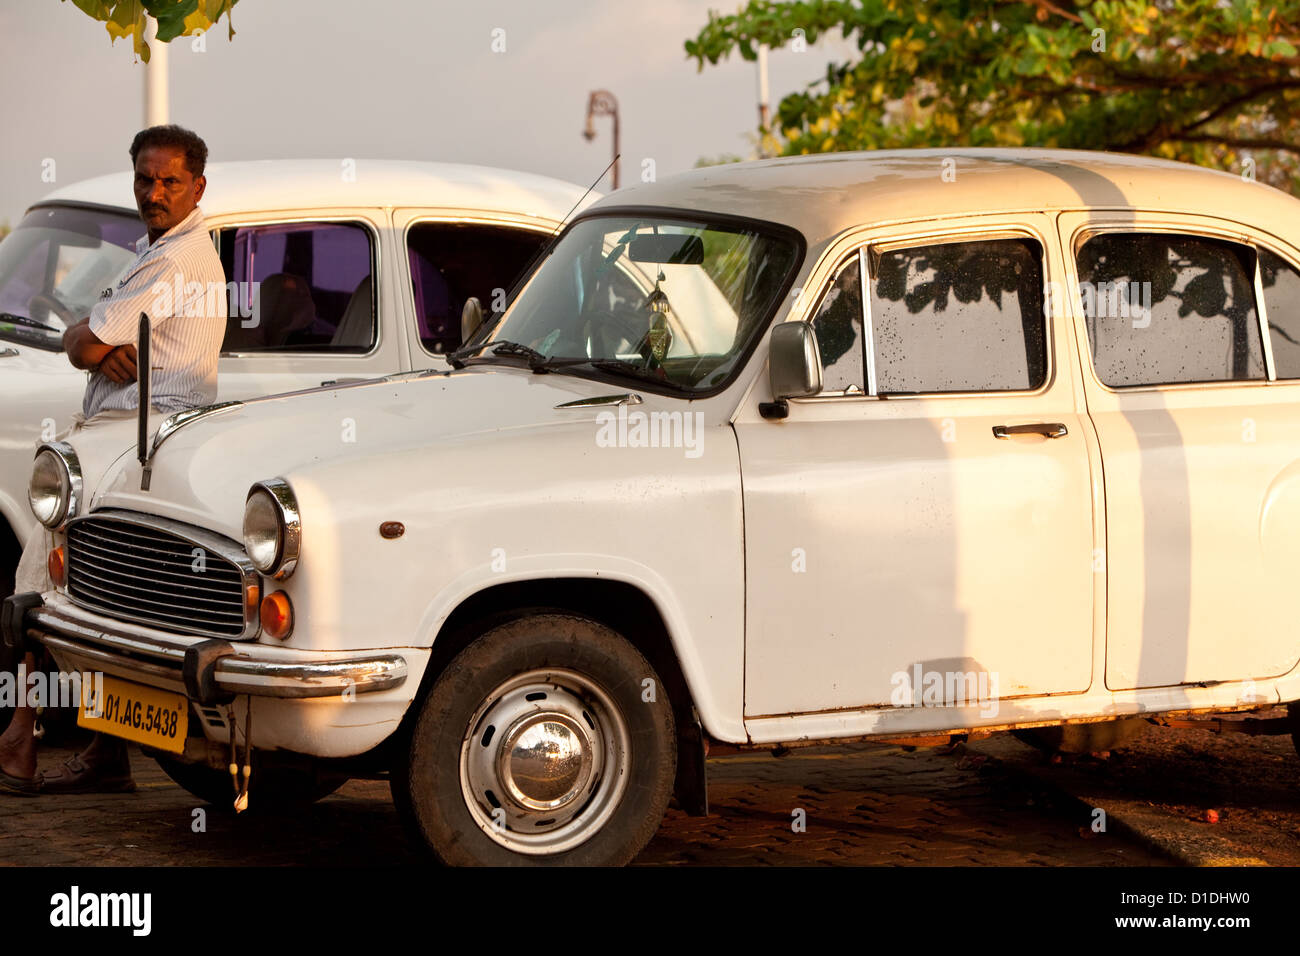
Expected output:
(763, 99)
(155, 78)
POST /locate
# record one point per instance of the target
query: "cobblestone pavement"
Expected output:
(1205, 798)
(877, 805)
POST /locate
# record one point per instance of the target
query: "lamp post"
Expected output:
(602, 103)
(155, 78)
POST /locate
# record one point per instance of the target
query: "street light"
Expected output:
(602, 103)
(155, 78)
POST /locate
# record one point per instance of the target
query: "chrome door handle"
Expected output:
(1046, 429)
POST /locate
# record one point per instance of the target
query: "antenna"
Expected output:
(538, 256)
(142, 375)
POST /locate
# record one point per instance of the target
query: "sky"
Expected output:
(333, 78)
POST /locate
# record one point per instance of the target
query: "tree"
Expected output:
(128, 18)
(1213, 82)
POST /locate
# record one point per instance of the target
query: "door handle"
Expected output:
(1046, 429)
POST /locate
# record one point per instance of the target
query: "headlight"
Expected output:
(272, 530)
(55, 489)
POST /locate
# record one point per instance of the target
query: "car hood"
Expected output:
(17, 357)
(201, 473)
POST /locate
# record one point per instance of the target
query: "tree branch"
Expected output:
(1244, 142)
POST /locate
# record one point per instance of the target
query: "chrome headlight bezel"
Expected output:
(272, 528)
(69, 485)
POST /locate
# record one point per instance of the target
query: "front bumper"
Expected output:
(206, 671)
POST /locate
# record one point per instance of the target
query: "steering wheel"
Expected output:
(606, 334)
(51, 303)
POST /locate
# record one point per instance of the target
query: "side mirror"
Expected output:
(471, 317)
(794, 361)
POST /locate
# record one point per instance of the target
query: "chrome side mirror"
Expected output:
(471, 317)
(794, 361)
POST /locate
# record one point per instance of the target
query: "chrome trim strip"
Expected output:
(111, 663)
(1261, 316)
(300, 680)
(286, 505)
(603, 401)
(223, 547)
(178, 420)
(153, 661)
(868, 333)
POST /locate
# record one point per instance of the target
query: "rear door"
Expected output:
(1199, 439)
(307, 301)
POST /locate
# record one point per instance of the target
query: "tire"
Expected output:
(471, 785)
(273, 790)
(1084, 738)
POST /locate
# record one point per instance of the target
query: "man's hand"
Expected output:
(85, 350)
(119, 365)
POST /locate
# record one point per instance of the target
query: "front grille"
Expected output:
(147, 570)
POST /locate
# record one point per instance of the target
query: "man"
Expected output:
(176, 280)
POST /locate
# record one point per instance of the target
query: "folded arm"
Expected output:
(85, 350)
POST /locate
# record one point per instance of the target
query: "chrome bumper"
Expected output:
(234, 669)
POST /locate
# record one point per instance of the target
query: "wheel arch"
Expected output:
(621, 606)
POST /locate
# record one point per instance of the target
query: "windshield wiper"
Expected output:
(611, 366)
(456, 358)
(536, 360)
(30, 323)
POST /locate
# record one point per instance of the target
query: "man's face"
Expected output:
(165, 190)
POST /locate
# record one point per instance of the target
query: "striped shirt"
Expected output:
(178, 282)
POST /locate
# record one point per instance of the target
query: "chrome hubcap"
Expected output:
(544, 761)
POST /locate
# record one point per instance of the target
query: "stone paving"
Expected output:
(876, 805)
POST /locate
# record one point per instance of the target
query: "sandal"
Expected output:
(77, 776)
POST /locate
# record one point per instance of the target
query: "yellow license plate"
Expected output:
(156, 718)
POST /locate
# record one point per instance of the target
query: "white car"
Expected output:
(357, 269)
(904, 445)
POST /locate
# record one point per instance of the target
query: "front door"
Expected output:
(922, 533)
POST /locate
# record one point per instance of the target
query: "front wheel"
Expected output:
(549, 740)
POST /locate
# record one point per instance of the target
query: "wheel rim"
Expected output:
(544, 761)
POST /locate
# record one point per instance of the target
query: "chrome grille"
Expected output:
(162, 573)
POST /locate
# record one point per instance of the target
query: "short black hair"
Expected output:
(187, 141)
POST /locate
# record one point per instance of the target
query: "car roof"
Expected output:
(273, 184)
(822, 195)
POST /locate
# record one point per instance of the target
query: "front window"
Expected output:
(661, 300)
(452, 262)
(54, 267)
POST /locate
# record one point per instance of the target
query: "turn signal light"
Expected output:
(277, 615)
(57, 567)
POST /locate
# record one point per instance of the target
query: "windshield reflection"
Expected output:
(55, 265)
(656, 299)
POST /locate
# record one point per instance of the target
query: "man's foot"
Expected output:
(78, 776)
(11, 786)
(18, 751)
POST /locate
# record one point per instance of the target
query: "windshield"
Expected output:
(54, 266)
(660, 299)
